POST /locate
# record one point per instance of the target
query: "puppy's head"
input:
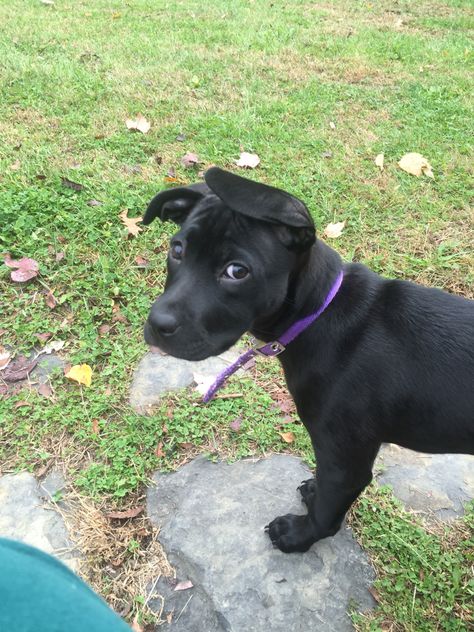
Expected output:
(228, 265)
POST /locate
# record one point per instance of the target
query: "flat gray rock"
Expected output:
(25, 516)
(211, 518)
(435, 485)
(158, 374)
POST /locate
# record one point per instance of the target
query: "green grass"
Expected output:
(263, 76)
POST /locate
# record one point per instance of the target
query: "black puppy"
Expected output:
(387, 361)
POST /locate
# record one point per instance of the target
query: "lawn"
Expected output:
(317, 90)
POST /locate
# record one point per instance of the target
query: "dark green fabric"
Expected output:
(40, 594)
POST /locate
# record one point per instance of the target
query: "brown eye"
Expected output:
(236, 271)
(176, 250)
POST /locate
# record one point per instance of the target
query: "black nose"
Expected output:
(164, 324)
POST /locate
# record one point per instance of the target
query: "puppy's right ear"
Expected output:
(175, 204)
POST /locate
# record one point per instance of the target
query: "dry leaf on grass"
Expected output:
(235, 425)
(288, 437)
(19, 369)
(334, 230)
(45, 390)
(159, 450)
(379, 161)
(50, 300)
(5, 357)
(248, 161)
(25, 268)
(44, 337)
(21, 404)
(415, 164)
(131, 223)
(189, 160)
(125, 515)
(184, 585)
(54, 345)
(141, 261)
(139, 124)
(81, 373)
(69, 184)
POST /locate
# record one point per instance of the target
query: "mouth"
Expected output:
(191, 351)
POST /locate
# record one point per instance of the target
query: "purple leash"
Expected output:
(277, 346)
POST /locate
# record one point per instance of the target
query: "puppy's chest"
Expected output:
(307, 387)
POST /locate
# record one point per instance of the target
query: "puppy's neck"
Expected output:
(309, 283)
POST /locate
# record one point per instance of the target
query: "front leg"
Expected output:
(340, 477)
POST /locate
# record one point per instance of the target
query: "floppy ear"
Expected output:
(266, 204)
(175, 204)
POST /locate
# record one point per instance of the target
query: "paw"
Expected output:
(307, 490)
(291, 533)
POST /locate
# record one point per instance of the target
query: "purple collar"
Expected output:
(277, 346)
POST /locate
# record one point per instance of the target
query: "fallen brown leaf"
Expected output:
(19, 369)
(141, 261)
(334, 230)
(139, 124)
(288, 437)
(44, 337)
(159, 450)
(375, 593)
(5, 357)
(70, 184)
(104, 329)
(50, 300)
(415, 164)
(54, 345)
(125, 515)
(26, 268)
(131, 223)
(95, 426)
(45, 390)
(189, 160)
(186, 445)
(248, 161)
(236, 423)
(22, 403)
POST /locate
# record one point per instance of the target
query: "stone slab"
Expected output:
(211, 518)
(435, 485)
(158, 373)
(25, 516)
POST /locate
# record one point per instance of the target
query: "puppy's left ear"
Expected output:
(295, 226)
(175, 204)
